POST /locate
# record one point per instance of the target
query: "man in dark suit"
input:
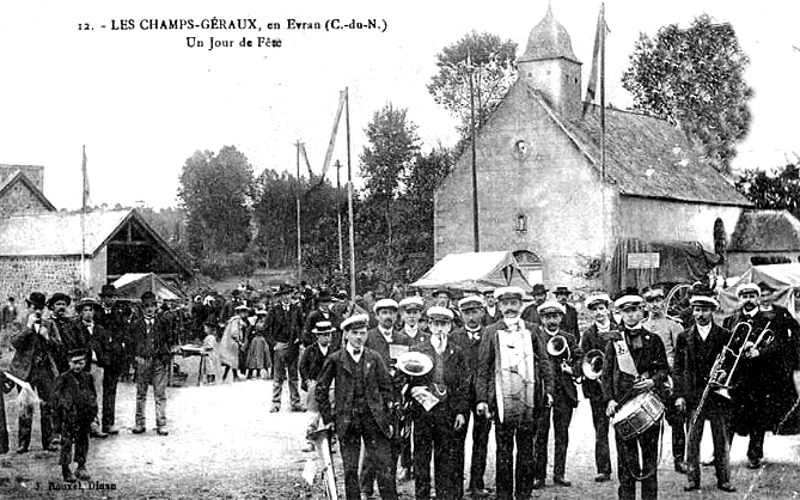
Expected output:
(411, 313)
(37, 346)
(569, 323)
(363, 396)
(59, 303)
(635, 362)
(323, 312)
(595, 339)
(115, 346)
(311, 362)
(469, 339)
(8, 314)
(85, 327)
(539, 294)
(151, 348)
(514, 383)
(566, 365)
(437, 428)
(284, 327)
(491, 312)
(696, 350)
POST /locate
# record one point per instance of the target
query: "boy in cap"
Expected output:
(311, 363)
(566, 366)
(595, 338)
(437, 429)
(635, 362)
(363, 395)
(75, 402)
(514, 382)
(696, 350)
(468, 337)
(410, 313)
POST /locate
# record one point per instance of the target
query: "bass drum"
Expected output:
(638, 415)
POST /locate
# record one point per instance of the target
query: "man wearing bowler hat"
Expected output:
(37, 346)
(530, 314)
(94, 334)
(115, 346)
(363, 397)
(570, 321)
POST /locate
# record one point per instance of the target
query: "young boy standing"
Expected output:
(75, 403)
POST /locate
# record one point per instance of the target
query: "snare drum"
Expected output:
(638, 415)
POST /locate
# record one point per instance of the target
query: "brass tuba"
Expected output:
(558, 348)
(593, 363)
(322, 442)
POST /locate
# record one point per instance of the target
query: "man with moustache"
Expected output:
(635, 362)
(363, 395)
(595, 338)
(58, 303)
(514, 383)
(565, 395)
(696, 350)
(468, 338)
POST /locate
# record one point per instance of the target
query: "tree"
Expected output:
(216, 193)
(776, 191)
(491, 62)
(694, 78)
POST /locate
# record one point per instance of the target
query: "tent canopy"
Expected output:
(469, 271)
(132, 285)
(785, 278)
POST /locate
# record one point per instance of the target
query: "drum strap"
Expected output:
(660, 450)
(624, 358)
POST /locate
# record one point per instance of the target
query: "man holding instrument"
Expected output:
(636, 363)
(698, 351)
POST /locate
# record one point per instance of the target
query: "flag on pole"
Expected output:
(597, 52)
(85, 182)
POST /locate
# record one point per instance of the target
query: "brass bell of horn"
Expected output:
(593, 363)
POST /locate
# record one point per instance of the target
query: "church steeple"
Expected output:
(550, 65)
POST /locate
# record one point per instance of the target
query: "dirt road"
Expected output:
(224, 444)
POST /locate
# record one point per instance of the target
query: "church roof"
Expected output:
(20, 177)
(548, 40)
(765, 231)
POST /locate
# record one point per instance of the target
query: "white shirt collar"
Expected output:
(412, 331)
(324, 350)
(512, 322)
(704, 330)
(355, 357)
(386, 334)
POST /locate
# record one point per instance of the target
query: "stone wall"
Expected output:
(19, 200)
(34, 172)
(19, 276)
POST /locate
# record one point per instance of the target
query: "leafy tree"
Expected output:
(694, 78)
(216, 193)
(777, 190)
(490, 61)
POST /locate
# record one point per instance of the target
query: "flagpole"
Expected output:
(339, 216)
(350, 199)
(603, 93)
(84, 201)
(298, 144)
(475, 232)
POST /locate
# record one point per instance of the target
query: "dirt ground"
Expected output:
(224, 444)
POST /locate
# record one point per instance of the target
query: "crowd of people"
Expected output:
(401, 379)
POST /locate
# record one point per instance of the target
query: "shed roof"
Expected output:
(765, 231)
(20, 177)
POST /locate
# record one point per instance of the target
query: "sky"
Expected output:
(143, 101)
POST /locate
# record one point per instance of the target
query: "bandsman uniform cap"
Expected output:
(415, 302)
(487, 289)
(509, 292)
(354, 322)
(440, 313)
(653, 292)
(384, 304)
(241, 307)
(595, 298)
(471, 302)
(261, 312)
(323, 328)
(748, 287)
(550, 305)
(704, 300)
(626, 301)
(79, 353)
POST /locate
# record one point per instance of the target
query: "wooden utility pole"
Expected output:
(475, 231)
(339, 216)
(299, 144)
(350, 200)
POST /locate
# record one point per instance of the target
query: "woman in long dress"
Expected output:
(233, 339)
(258, 350)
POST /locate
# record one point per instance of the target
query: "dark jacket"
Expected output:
(593, 339)
(569, 322)
(340, 367)
(31, 347)
(564, 389)
(485, 381)
(156, 344)
(650, 361)
(377, 342)
(693, 361)
(470, 349)
(284, 326)
(74, 398)
(312, 361)
(93, 341)
(311, 321)
(456, 379)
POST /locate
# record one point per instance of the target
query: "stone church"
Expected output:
(45, 250)
(544, 195)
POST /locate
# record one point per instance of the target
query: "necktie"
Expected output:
(356, 351)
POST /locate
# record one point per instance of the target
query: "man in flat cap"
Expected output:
(594, 339)
(363, 396)
(437, 428)
(514, 384)
(37, 347)
(566, 366)
(116, 349)
(696, 351)
(668, 330)
(469, 339)
(635, 362)
(151, 348)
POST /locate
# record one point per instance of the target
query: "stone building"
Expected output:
(45, 250)
(544, 194)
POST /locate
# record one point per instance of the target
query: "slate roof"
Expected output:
(765, 231)
(20, 176)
